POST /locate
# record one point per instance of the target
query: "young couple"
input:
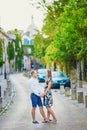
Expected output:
(36, 96)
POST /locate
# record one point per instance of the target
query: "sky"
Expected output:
(17, 14)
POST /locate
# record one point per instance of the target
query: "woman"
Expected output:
(47, 96)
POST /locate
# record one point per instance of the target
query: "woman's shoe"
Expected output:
(54, 121)
(45, 121)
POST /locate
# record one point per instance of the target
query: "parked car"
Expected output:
(41, 75)
(60, 78)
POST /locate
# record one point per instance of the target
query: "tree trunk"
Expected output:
(79, 71)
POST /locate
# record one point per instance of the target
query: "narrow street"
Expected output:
(18, 116)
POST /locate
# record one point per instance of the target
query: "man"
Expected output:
(35, 97)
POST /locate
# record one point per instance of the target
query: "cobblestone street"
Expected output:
(70, 114)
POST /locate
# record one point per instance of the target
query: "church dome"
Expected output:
(31, 30)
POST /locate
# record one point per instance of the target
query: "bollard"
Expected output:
(85, 101)
(67, 91)
(73, 94)
(62, 90)
(0, 91)
(0, 99)
(0, 103)
(80, 97)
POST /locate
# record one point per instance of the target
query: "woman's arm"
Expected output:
(48, 88)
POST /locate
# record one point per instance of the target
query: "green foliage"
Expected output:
(65, 26)
(1, 52)
(70, 39)
(50, 53)
(53, 12)
(18, 40)
(31, 47)
(18, 50)
(10, 50)
(40, 45)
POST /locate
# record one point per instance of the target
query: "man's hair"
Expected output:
(32, 72)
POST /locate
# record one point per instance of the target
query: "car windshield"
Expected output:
(58, 74)
(42, 72)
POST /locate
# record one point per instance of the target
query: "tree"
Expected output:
(50, 26)
(10, 50)
(65, 25)
(71, 37)
(40, 44)
(71, 40)
(18, 50)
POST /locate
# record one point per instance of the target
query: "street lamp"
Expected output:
(5, 75)
(4, 57)
(15, 59)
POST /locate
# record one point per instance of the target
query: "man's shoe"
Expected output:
(35, 122)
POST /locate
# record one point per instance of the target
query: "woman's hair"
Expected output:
(49, 75)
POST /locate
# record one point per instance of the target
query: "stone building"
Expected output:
(28, 42)
(5, 68)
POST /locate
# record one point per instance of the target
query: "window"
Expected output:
(26, 41)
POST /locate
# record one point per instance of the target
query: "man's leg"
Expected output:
(41, 108)
(34, 105)
(33, 113)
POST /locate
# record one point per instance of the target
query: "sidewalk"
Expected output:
(6, 94)
(79, 106)
(84, 85)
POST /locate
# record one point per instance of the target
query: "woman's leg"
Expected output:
(42, 113)
(48, 115)
(51, 113)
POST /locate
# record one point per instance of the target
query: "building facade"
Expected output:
(28, 42)
(5, 67)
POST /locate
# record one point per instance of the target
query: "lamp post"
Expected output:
(4, 58)
(5, 74)
(15, 60)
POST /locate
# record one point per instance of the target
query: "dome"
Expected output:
(31, 30)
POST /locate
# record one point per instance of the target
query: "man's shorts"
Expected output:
(36, 100)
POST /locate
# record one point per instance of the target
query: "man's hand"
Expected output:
(42, 95)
